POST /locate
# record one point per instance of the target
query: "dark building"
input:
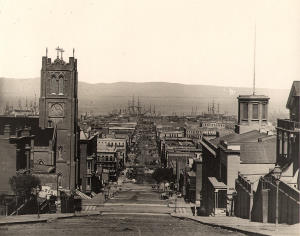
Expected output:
(277, 196)
(53, 149)
(288, 131)
(58, 106)
(88, 154)
(15, 155)
(107, 161)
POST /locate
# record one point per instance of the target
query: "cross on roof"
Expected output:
(61, 51)
(58, 50)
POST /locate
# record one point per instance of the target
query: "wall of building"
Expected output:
(59, 103)
(7, 164)
(264, 203)
(83, 166)
(243, 201)
(199, 167)
(255, 169)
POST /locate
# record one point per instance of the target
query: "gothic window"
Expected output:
(59, 180)
(56, 84)
(53, 84)
(61, 85)
(60, 149)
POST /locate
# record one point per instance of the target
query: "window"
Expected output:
(255, 111)
(88, 182)
(244, 108)
(61, 85)
(59, 180)
(280, 142)
(264, 111)
(53, 84)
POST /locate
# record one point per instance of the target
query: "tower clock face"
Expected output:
(56, 110)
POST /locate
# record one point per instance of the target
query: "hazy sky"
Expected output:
(185, 41)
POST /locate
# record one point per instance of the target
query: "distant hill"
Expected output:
(168, 98)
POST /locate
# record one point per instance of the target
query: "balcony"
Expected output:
(288, 124)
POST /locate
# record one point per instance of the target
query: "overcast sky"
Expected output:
(183, 41)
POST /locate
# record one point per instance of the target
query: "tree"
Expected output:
(163, 175)
(23, 184)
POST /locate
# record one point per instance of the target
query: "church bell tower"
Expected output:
(59, 109)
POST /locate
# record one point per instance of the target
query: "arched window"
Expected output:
(61, 85)
(53, 84)
(59, 180)
(60, 149)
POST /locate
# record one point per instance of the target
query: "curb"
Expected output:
(46, 220)
(222, 226)
(81, 215)
(24, 222)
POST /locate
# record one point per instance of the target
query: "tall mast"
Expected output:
(254, 58)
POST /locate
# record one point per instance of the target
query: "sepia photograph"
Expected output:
(149, 117)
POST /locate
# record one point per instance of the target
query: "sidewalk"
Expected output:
(25, 219)
(180, 203)
(244, 225)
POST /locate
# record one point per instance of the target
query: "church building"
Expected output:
(59, 110)
(46, 145)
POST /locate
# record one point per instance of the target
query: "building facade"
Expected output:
(252, 112)
(58, 106)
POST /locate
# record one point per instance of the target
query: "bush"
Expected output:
(23, 184)
(163, 175)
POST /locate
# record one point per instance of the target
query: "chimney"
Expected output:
(6, 131)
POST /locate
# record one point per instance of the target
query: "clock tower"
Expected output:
(59, 109)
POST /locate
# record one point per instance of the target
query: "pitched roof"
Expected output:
(294, 92)
(259, 152)
(251, 136)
